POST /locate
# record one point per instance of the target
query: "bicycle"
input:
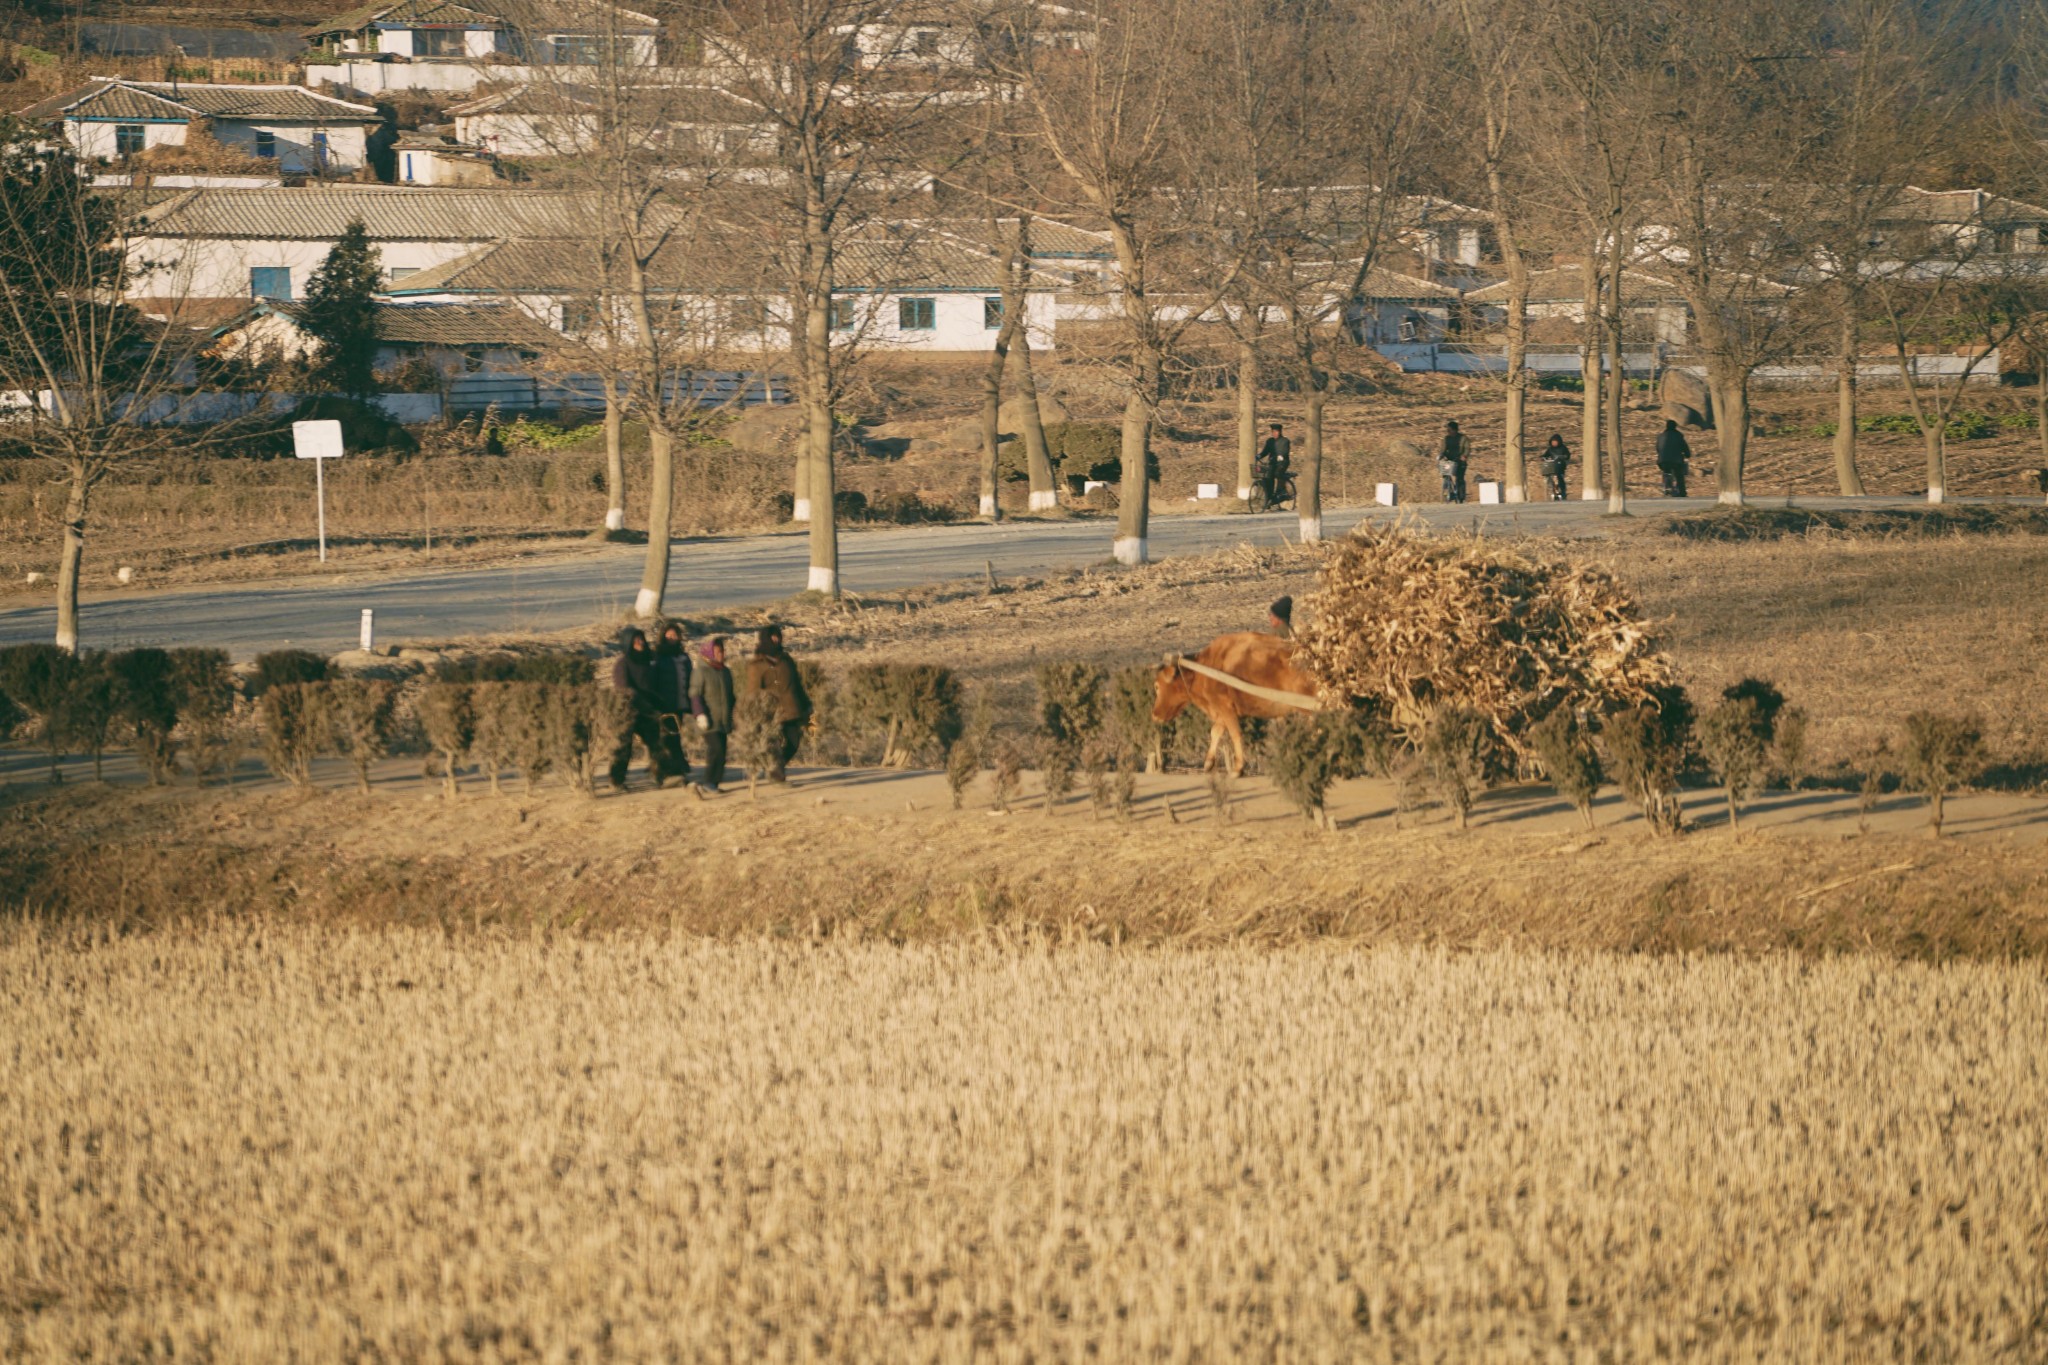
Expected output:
(1263, 499)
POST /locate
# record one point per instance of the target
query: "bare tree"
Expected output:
(87, 380)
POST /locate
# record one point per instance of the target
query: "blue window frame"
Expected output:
(270, 282)
(128, 139)
(266, 143)
(917, 315)
(320, 150)
(840, 315)
(992, 314)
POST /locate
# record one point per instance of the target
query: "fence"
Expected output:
(525, 393)
(1650, 362)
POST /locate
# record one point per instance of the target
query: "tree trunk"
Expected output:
(1134, 507)
(72, 559)
(1847, 477)
(1247, 417)
(661, 491)
(1514, 461)
(1589, 400)
(1616, 386)
(1308, 484)
(2041, 406)
(1045, 493)
(800, 493)
(1731, 417)
(824, 574)
(1935, 432)
(991, 415)
(614, 459)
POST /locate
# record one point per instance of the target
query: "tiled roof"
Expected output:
(459, 324)
(118, 99)
(898, 258)
(1381, 283)
(1961, 206)
(652, 103)
(565, 16)
(323, 213)
(1567, 284)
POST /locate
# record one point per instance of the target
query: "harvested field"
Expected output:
(287, 1142)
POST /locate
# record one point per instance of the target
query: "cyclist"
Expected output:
(1272, 466)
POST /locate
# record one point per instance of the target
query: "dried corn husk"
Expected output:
(1419, 623)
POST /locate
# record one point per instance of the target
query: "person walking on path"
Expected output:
(1674, 459)
(672, 696)
(633, 676)
(1276, 457)
(711, 701)
(1554, 461)
(772, 671)
(1451, 460)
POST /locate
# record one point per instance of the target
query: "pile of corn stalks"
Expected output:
(1419, 624)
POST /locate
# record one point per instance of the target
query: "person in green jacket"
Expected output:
(711, 701)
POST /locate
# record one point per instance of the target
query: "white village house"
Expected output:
(302, 131)
(543, 119)
(454, 338)
(445, 46)
(213, 244)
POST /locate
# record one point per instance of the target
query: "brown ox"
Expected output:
(1265, 660)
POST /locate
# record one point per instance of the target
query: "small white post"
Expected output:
(369, 630)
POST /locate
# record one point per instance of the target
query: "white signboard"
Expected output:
(1489, 492)
(318, 441)
(1205, 492)
(1386, 495)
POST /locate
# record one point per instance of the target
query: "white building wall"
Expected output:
(219, 269)
(92, 139)
(526, 134)
(347, 147)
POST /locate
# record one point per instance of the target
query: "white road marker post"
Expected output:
(369, 629)
(319, 442)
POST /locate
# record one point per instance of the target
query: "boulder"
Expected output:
(1687, 400)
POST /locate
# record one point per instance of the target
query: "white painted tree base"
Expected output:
(1730, 497)
(647, 603)
(800, 510)
(1244, 493)
(988, 507)
(1592, 495)
(615, 519)
(1515, 492)
(1128, 550)
(1937, 495)
(824, 580)
(1045, 500)
(1311, 530)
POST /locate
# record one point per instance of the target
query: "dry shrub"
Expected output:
(963, 765)
(146, 691)
(524, 713)
(90, 708)
(447, 713)
(1942, 753)
(915, 708)
(1012, 756)
(495, 715)
(586, 725)
(281, 666)
(1306, 753)
(206, 693)
(37, 678)
(1735, 738)
(756, 737)
(360, 716)
(1127, 714)
(1646, 750)
(293, 720)
(1057, 761)
(1070, 705)
(1422, 624)
(1564, 747)
(1457, 747)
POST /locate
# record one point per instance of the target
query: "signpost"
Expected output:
(318, 442)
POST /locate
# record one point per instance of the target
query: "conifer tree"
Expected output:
(340, 312)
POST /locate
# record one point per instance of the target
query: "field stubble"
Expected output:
(286, 1143)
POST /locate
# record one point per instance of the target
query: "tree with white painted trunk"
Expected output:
(846, 147)
(91, 374)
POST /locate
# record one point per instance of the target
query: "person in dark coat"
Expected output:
(1451, 461)
(633, 675)
(672, 696)
(772, 671)
(1674, 459)
(1554, 461)
(711, 701)
(1280, 616)
(1271, 467)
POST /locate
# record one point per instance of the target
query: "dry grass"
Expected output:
(286, 1143)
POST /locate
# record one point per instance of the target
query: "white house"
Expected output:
(1653, 308)
(936, 35)
(302, 131)
(448, 46)
(454, 338)
(903, 288)
(248, 244)
(422, 158)
(540, 119)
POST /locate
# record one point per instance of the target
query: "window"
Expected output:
(320, 150)
(127, 139)
(926, 42)
(576, 49)
(270, 282)
(439, 42)
(266, 142)
(399, 272)
(578, 316)
(840, 315)
(992, 314)
(745, 315)
(472, 359)
(917, 315)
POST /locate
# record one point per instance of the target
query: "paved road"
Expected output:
(558, 592)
